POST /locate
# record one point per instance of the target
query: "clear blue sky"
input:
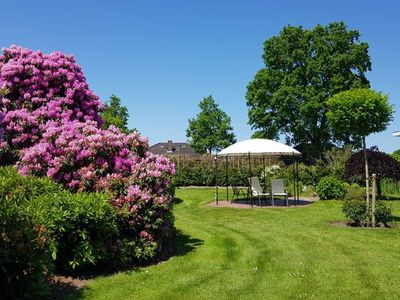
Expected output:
(163, 57)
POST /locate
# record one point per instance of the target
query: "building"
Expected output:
(171, 148)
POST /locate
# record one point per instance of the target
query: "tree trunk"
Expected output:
(366, 175)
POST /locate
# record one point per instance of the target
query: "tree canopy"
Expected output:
(115, 114)
(211, 130)
(357, 113)
(396, 155)
(303, 68)
(380, 163)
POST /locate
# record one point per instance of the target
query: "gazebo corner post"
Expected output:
(249, 192)
(227, 178)
(297, 178)
(294, 181)
(216, 179)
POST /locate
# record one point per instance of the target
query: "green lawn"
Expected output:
(227, 253)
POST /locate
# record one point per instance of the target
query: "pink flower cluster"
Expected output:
(42, 87)
(84, 157)
(1, 129)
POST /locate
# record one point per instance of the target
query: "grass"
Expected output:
(227, 253)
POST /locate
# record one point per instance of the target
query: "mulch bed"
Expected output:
(347, 223)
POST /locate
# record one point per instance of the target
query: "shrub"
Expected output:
(41, 88)
(330, 187)
(379, 163)
(383, 213)
(82, 228)
(25, 259)
(85, 158)
(356, 210)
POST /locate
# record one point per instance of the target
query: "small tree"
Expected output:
(357, 113)
(115, 114)
(211, 130)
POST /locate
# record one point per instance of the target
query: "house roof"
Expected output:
(171, 148)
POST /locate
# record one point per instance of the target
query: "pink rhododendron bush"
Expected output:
(41, 87)
(85, 158)
(52, 126)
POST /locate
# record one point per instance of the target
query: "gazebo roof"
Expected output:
(258, 147)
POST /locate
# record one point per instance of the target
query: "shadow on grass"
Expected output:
(185, 243)
(61, 291)
(177, 200)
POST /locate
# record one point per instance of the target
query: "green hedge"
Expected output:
(203, 175)
(45, 228)
(25, 260)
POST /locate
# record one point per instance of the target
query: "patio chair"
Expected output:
(237, 192)
(278, 189)
(256, 189)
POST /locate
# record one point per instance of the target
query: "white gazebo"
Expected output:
(259, 148)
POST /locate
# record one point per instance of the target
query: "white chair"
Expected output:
(278, 189)
(256, 189)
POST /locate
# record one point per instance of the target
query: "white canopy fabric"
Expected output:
(258, 147)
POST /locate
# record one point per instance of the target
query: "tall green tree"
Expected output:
(211, 130)
(358, 113)
(303, 68)
(115, 114)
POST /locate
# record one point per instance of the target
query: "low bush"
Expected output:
(82, 228)
(330, 187)
(86, 230)
(25, 259)
(355, 192)
(356, 210)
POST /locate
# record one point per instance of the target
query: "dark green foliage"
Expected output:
(356, 210)
(25, 259)
(82, 228)
(330, 187)
(201, 175)
(383, 213)
(115, 114)
(211, 130)
(303, 68)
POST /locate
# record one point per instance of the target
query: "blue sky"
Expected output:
(162, 57)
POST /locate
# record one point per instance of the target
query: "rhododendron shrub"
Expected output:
(84, 157)
(41, 88)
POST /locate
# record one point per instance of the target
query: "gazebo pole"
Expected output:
(294, 181)
(227, 178)
(249, 182)
(216, 179)
(297, 178)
